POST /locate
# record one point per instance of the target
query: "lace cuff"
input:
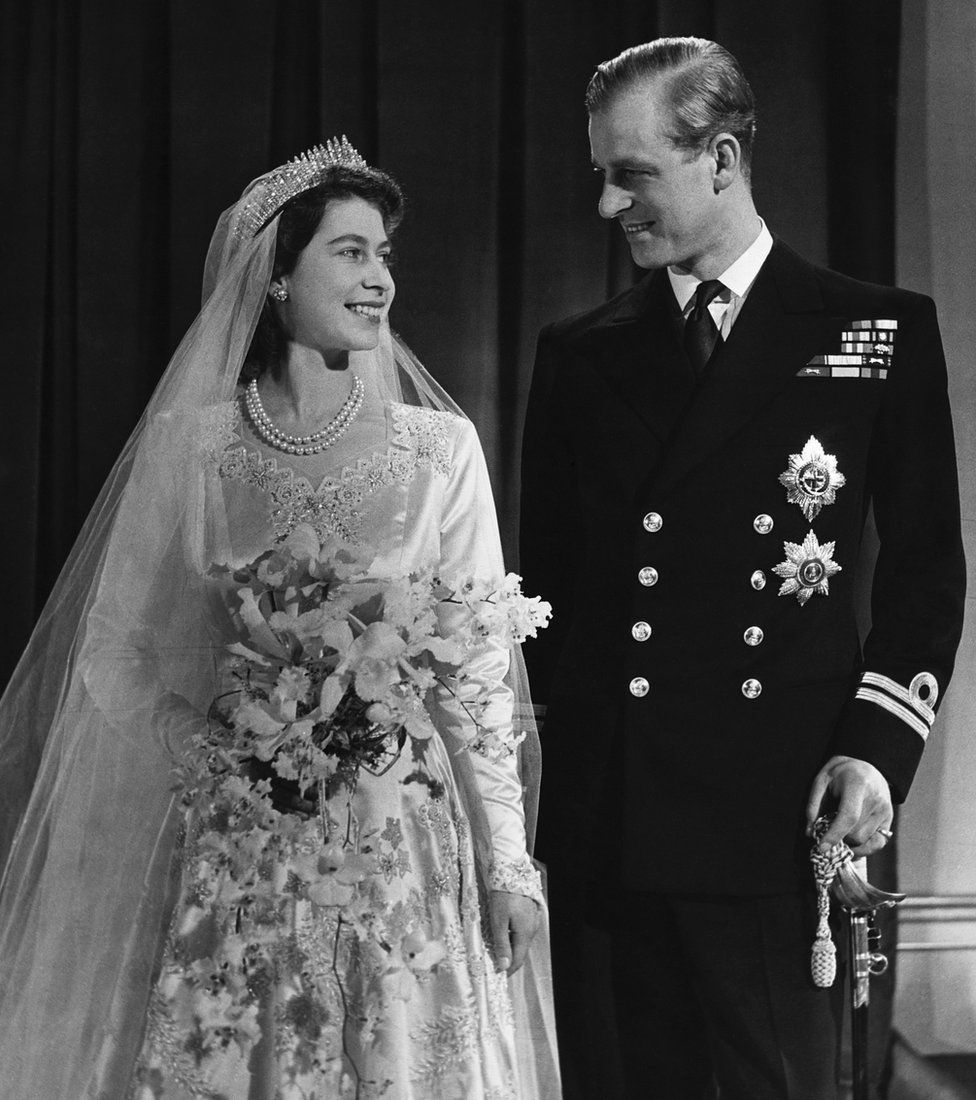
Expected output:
(518, 877)
(496, 747)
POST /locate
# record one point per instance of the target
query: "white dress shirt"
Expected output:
(737, 279)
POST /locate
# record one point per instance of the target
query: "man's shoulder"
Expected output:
(629, 302)
(844, 294)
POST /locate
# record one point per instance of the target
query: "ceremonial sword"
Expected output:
(840, 876)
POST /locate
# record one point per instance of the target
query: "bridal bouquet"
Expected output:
(333, 670)
(331, 674)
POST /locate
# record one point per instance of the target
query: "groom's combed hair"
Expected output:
(706, 90)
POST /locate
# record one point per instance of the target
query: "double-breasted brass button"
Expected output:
(647, 576)
(758, 580)
(763, 523)
(653, 522)
(639, 687)
(752, 689)
(641, 631)
(753, 636)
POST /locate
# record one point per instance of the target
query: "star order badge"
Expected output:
(812, 479)
(807, 569)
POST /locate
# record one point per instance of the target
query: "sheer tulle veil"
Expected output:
(120, 668)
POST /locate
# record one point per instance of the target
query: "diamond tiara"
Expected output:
(291, 179)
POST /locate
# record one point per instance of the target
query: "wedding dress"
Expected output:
(428, 1015)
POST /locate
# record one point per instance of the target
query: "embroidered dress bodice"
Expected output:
(356, 496)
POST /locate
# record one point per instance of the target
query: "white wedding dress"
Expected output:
(416, 1010)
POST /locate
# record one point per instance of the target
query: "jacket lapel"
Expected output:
(637, 352)
(782, 324)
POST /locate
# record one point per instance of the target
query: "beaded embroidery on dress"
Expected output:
(420, 441)
(427, 1018)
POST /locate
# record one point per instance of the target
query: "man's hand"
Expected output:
(863, 804)
(514, 923)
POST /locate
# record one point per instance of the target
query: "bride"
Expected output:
(289, 410)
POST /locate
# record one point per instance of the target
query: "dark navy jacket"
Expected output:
(680, 757)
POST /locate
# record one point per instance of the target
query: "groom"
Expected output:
(700, 454)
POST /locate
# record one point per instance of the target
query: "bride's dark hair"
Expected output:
(298, 221)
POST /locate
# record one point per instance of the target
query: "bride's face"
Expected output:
(341, 287)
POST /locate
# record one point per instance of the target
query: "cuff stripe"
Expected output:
(903, 695)
(909, 717)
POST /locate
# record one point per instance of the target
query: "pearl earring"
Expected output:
(279, 293)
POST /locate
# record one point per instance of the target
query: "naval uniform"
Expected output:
(697, 536)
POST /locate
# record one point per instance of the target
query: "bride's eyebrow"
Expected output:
(358, 240)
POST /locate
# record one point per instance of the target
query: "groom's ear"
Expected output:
(726, 156)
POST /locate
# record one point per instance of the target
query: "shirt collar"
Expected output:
(738, 276)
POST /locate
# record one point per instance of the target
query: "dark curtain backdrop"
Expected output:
(126, 128)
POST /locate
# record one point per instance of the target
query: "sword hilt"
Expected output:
(837, 878)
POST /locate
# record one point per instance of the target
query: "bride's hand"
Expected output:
(514, 923)
(286, 796)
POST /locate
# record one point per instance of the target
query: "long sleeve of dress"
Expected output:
(470, 546)
(147, 660)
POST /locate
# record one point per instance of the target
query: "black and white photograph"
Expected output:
(490, 494)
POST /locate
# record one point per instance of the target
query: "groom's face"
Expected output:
(664, 198)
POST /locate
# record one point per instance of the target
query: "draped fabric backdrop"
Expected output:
(936, 237)
(126, 128)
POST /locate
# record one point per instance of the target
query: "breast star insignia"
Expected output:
(807, 569)
(812, 479)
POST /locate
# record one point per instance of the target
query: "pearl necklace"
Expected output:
(304, 444)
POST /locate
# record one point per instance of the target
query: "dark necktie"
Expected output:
(701, 334)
